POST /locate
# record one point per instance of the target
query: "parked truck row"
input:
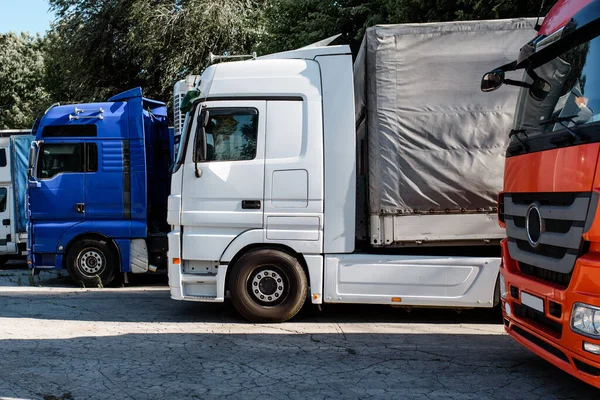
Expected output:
(296, 173)
(306, 174)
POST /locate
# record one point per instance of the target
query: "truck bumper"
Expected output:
(192, 286)
(542, 325)
(45, 261)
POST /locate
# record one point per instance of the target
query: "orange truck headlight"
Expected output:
(585, 320)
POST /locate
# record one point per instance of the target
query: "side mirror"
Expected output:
(33, 155)
(204, 118)
(539, 89)
(492, 80)
(200, 140)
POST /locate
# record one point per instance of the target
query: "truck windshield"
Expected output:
(574, 96)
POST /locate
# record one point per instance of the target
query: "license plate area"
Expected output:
(531, 301)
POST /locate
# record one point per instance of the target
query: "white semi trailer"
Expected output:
(300, 176)
(14, 152)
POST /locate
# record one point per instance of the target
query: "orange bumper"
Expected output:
(549, 334)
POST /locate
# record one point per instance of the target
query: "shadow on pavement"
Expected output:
(155, 305)
(190, 366)
(16, 273)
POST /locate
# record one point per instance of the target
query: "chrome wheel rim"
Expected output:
(91, 262)
(267, 286)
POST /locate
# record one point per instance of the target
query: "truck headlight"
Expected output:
(586, 319)
(503, 292)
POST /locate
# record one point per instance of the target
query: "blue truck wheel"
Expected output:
(92, 263)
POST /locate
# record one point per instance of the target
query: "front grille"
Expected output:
(538, 320)
(553, 241)
(560, 280)
(561, 199)
(540, 343)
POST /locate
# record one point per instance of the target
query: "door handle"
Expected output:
(80, 207)
(251, 204)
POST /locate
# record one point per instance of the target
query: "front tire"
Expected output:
(268, 286)
(92, 263)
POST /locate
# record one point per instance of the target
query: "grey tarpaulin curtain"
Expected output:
(435, 141)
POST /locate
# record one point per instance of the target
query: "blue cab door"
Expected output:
(56, 187)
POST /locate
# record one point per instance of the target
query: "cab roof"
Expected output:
(560, 14)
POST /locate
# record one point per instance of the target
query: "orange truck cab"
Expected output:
(550, 278)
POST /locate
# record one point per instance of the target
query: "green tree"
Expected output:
(291, 24)
(97, 49)
(22, 96)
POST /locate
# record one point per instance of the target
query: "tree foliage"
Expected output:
(96, 49)
(21, 73)
(291, 24)
(113, 45)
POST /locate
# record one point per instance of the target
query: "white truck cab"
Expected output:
(261, 183)
(263, 202)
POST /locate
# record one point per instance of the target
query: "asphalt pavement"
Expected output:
(58, 341)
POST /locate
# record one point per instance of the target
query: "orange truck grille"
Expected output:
(544, 233)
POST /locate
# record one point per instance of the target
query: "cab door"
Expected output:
(222, 194)
(56, 186)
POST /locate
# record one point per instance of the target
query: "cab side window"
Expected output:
(230, 135)
(59, 158)
(91, 157)
(3, 160)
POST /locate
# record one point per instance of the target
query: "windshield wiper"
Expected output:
(561, 121)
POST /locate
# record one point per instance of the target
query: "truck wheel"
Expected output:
(268, 286)
(92, 263)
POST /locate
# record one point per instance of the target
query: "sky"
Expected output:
(24, 15)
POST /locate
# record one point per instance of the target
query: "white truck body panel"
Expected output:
(410, 229)
(340, 154)
(410, 280)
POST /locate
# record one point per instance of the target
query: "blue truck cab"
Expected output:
(98, 184)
